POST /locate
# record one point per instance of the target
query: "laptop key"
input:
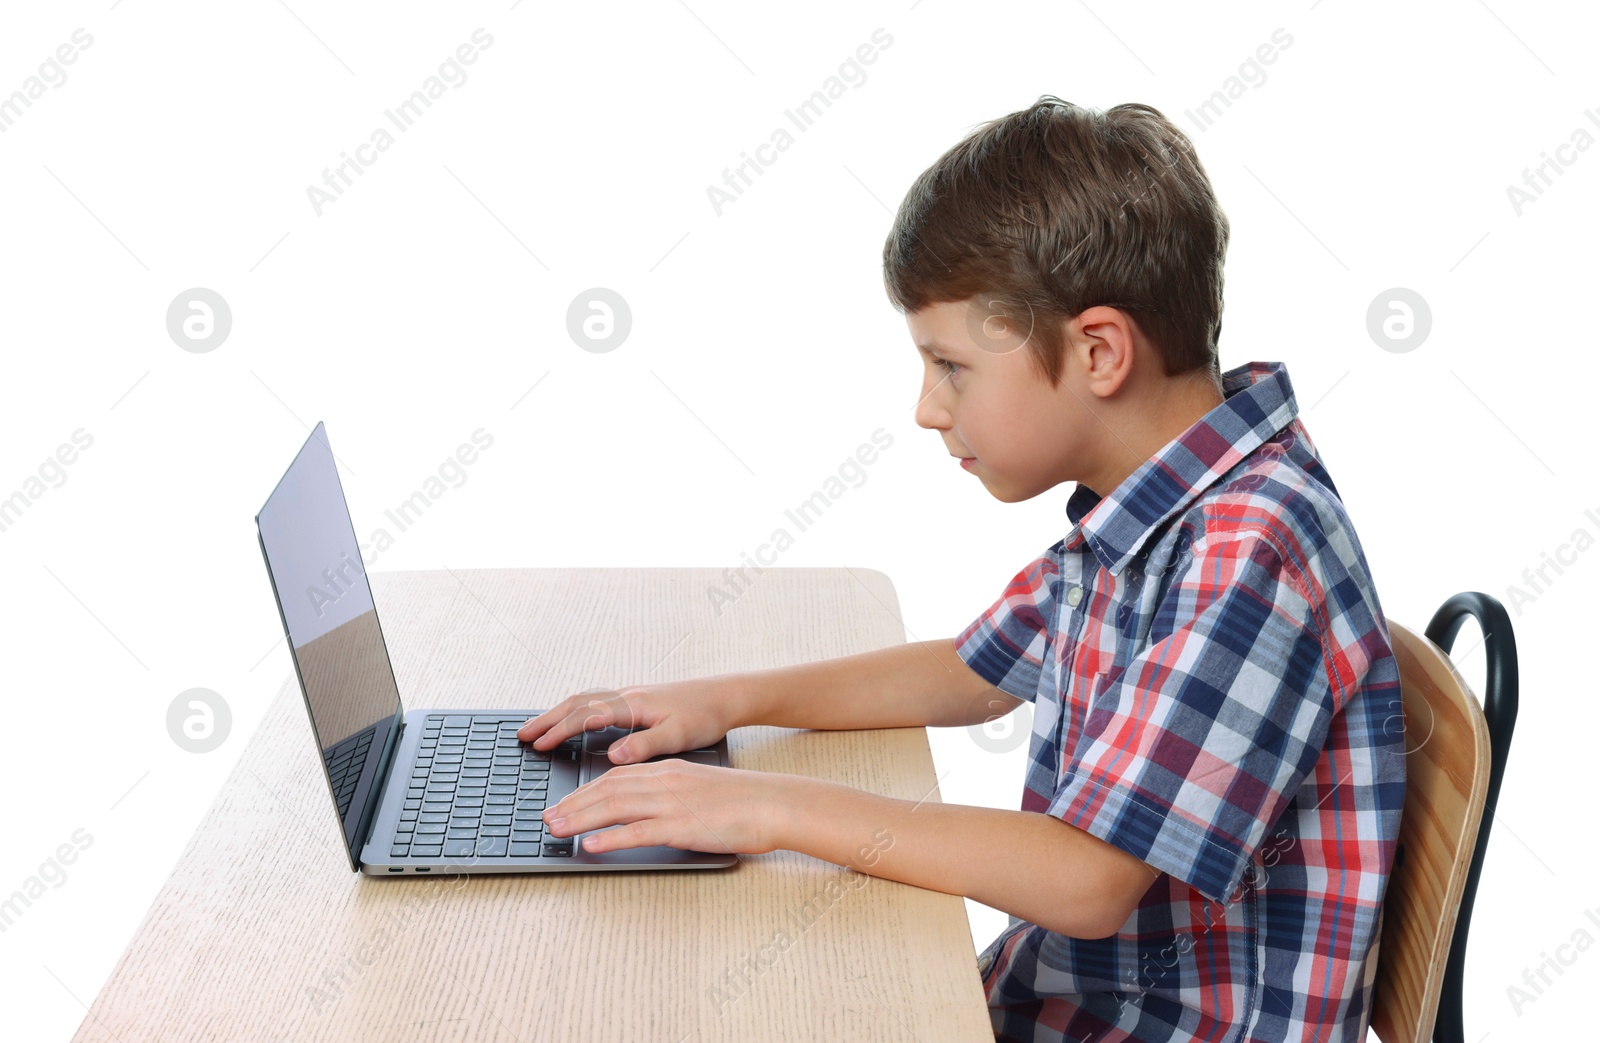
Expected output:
(494, 831)
(458, 848)
(399, 850)
(462, 833)
(425, 850)
(559, 850)
(492, 846)
(524, 849)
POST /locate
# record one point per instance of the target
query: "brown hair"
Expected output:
(1058, 208)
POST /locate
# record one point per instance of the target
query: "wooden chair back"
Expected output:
(1447, 779)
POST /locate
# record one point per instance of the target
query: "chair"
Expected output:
(1455, 758)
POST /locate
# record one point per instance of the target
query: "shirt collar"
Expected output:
(1258, 401)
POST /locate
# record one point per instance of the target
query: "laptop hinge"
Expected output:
(380, 783)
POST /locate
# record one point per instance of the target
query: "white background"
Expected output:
(426, 301)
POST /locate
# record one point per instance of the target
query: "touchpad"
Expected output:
(600, 740)
(697, 756)
(598, 764)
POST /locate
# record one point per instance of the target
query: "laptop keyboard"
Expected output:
(477, 790)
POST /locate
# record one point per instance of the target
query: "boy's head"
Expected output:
(1071, 263)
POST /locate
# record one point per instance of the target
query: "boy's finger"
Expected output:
(641, 745)
(586, 716)
(536, 726)
(551, 727)
(530, 729)
(540, 723)
(638, 745)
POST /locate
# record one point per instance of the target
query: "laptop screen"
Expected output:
(339, 655)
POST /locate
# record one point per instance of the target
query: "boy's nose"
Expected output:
(930, 413)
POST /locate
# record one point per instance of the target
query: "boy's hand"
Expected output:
(694, 807)
(681, 715)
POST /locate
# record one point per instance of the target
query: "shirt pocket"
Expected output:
(1077, 721)
(1103, 694)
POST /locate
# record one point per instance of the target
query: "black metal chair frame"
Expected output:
(1500, 714)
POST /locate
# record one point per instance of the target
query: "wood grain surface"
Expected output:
(1447, 779)
(262, 932)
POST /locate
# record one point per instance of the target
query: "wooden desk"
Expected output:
(262, 932)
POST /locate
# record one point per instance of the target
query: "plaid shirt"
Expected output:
(1214, 692)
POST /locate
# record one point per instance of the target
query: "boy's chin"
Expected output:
(1008, 492)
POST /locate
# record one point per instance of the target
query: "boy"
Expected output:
(1216, 766)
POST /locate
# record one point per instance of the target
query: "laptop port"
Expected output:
(424, 869)
(397, 869)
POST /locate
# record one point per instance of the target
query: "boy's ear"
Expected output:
(1103, 340)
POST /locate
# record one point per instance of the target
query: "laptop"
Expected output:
(419, 791)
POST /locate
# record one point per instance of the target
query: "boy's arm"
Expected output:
(1031, 865)
(899, 686)
(1028, 864)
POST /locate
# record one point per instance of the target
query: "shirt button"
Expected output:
(1074, 595)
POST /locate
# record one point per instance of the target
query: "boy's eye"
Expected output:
(947, 365)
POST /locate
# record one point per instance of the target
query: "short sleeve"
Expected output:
(1007, 644)
(1189, 753)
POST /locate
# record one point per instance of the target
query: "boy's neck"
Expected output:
(1153, 421)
